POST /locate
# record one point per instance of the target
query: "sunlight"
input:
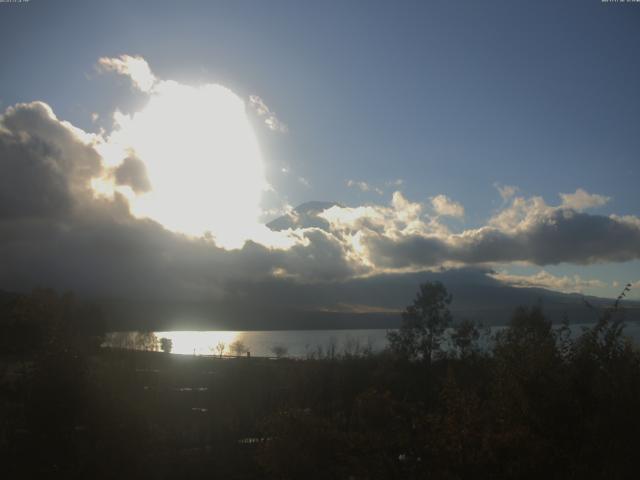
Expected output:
(199, 343)
(202, 158)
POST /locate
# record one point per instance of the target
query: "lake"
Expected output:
(293, 343)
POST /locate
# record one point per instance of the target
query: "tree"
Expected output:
(464, 338)
(423, 324)
(279, 351)
(220, 346)
(238, 347)
(529, 332)
(166, 345)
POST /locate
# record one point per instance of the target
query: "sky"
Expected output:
(497, 135)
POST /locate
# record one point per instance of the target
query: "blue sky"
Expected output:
(451, 97)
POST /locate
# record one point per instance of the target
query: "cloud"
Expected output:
(544, 279)
(269, 117)
(198, 147)
(304, 182)
(444, 206)
(582, 200)
(364, 186)
(45, 163)
(561, 236)
(68, 219)
(398, 182)
(528, 231)
(55, 230)
(136, 68)
(507, 192)
(133, 173)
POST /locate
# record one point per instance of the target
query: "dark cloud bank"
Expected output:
(54, 232)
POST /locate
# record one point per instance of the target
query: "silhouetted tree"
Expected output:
(166, 345)
(132, 340)
(539, 403)
(279, 351)
(423, 324)
(238, 347)
(464, 338)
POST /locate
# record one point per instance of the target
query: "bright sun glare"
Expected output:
(200, 343)
(202, 158)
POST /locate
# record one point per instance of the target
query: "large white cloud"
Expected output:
(582, 200)
(188, 159)
(402, 237)
(134, 67)
(444, 206)
(56, 231)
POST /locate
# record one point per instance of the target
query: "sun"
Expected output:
(202, 159)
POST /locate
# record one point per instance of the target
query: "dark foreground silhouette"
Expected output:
(534, 403)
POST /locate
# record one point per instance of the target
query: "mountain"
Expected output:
(270, 303)
(374, 302)
(303, 216)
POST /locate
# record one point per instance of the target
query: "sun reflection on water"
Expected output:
(200, 343)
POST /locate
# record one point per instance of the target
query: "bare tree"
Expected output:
(220, 348)
(238, 348)
(166, 345)
(279, 351)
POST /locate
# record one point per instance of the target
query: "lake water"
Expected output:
(294, 343)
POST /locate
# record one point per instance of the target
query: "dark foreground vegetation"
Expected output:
(536, 403)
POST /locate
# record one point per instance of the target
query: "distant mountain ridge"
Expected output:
(491, 304)
(372, 302)
(303, 216)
